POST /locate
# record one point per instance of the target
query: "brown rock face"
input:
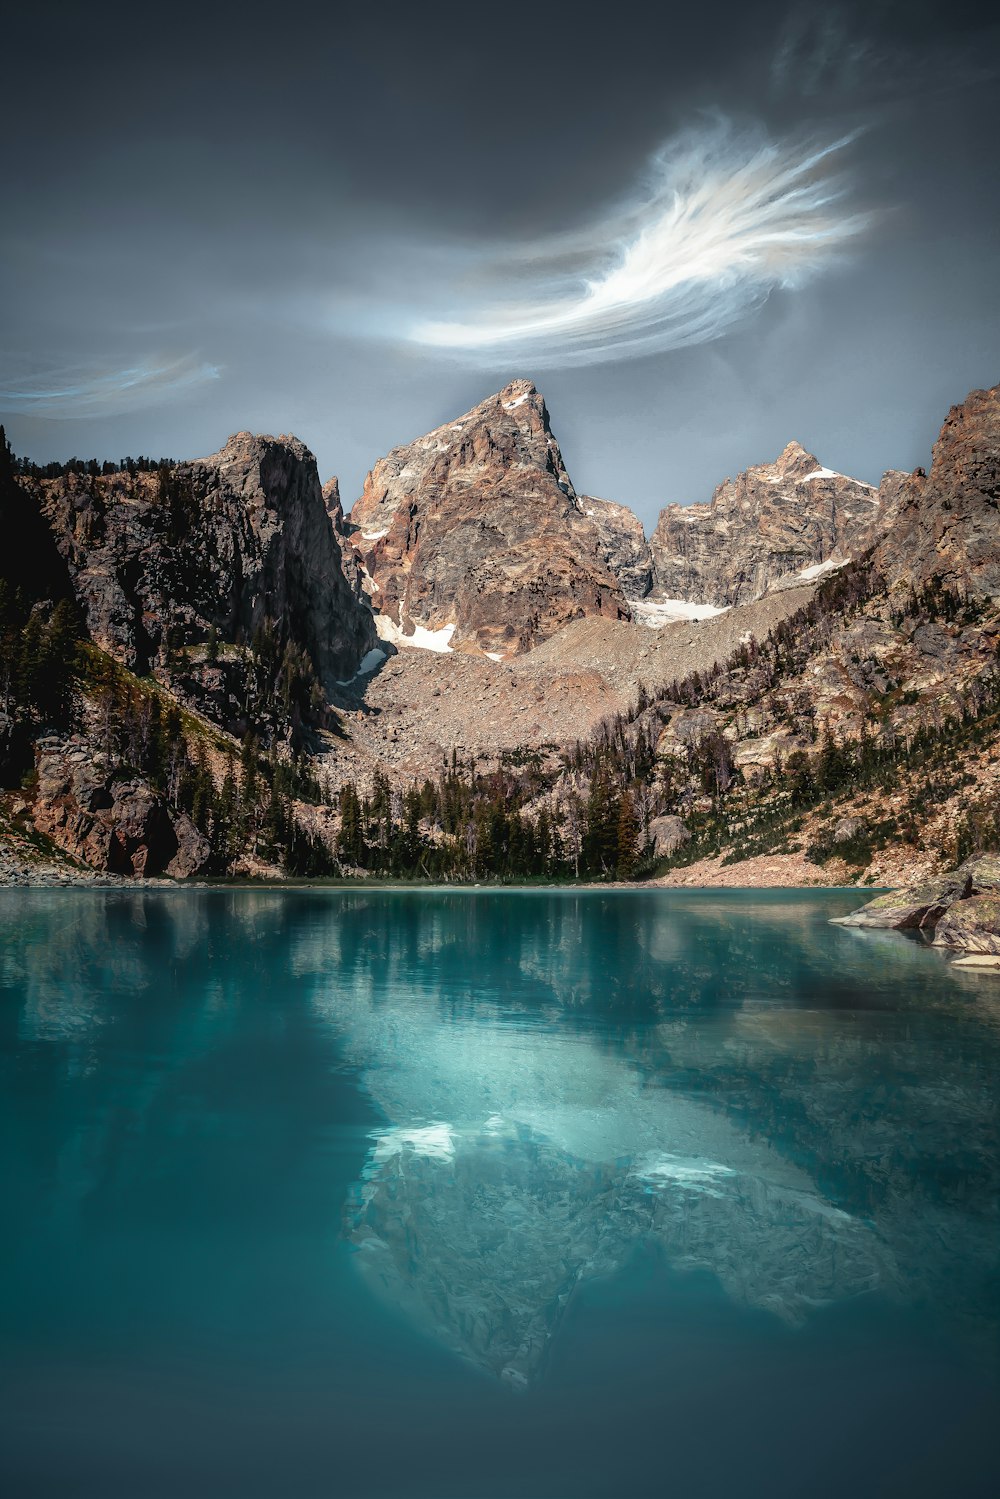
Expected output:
(350, 562)
(948, 521)
(478, 527)
(772, 521)
(225, 541)
(892, 492)
(623, 544)
(114, 823)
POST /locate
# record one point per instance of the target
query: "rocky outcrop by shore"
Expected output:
(961, 909)
(23, 863)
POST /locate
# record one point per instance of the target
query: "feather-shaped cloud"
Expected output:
(721, 219)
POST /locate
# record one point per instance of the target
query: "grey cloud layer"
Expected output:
(91, 391)
(210, 230)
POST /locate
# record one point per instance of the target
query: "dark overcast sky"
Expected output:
(225, 218)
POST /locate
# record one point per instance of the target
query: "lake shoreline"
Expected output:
(97, 882)
(24, 865)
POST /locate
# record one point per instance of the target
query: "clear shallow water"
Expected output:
(495, 1194)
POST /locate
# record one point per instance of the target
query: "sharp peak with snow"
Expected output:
(476, 529)
(522, 396)
(799, 465)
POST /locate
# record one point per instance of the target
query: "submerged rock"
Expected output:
(481, 1232)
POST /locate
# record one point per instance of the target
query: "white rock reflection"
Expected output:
(435, 1141)
(520, 1160)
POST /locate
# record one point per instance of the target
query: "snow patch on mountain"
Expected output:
(422, 638)
(655, 613)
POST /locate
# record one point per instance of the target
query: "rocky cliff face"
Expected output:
(891, 492)
(475, 532)
(475, 536)
(350, 562)
(947, 522)
(775, 520)
(623, 545)
(110, 820)
(225, 542)
(893, 660)
(896, 650)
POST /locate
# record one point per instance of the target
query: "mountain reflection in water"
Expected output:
(280, 1162)
(767, 1146)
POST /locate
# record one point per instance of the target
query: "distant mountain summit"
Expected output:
(773, 521)
(475, 539)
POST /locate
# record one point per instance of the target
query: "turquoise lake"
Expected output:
(492, 1195)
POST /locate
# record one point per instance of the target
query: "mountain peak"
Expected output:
(773, 521)
(795, 460)
(520, 396)
(476, 530)
(248, 448)
(517, 390)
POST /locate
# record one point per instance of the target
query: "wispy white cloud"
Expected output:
(721, 218)
(88, 390)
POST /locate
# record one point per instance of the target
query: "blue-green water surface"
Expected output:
(492, 1195)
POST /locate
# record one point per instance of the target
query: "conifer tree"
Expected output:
(627, 841)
